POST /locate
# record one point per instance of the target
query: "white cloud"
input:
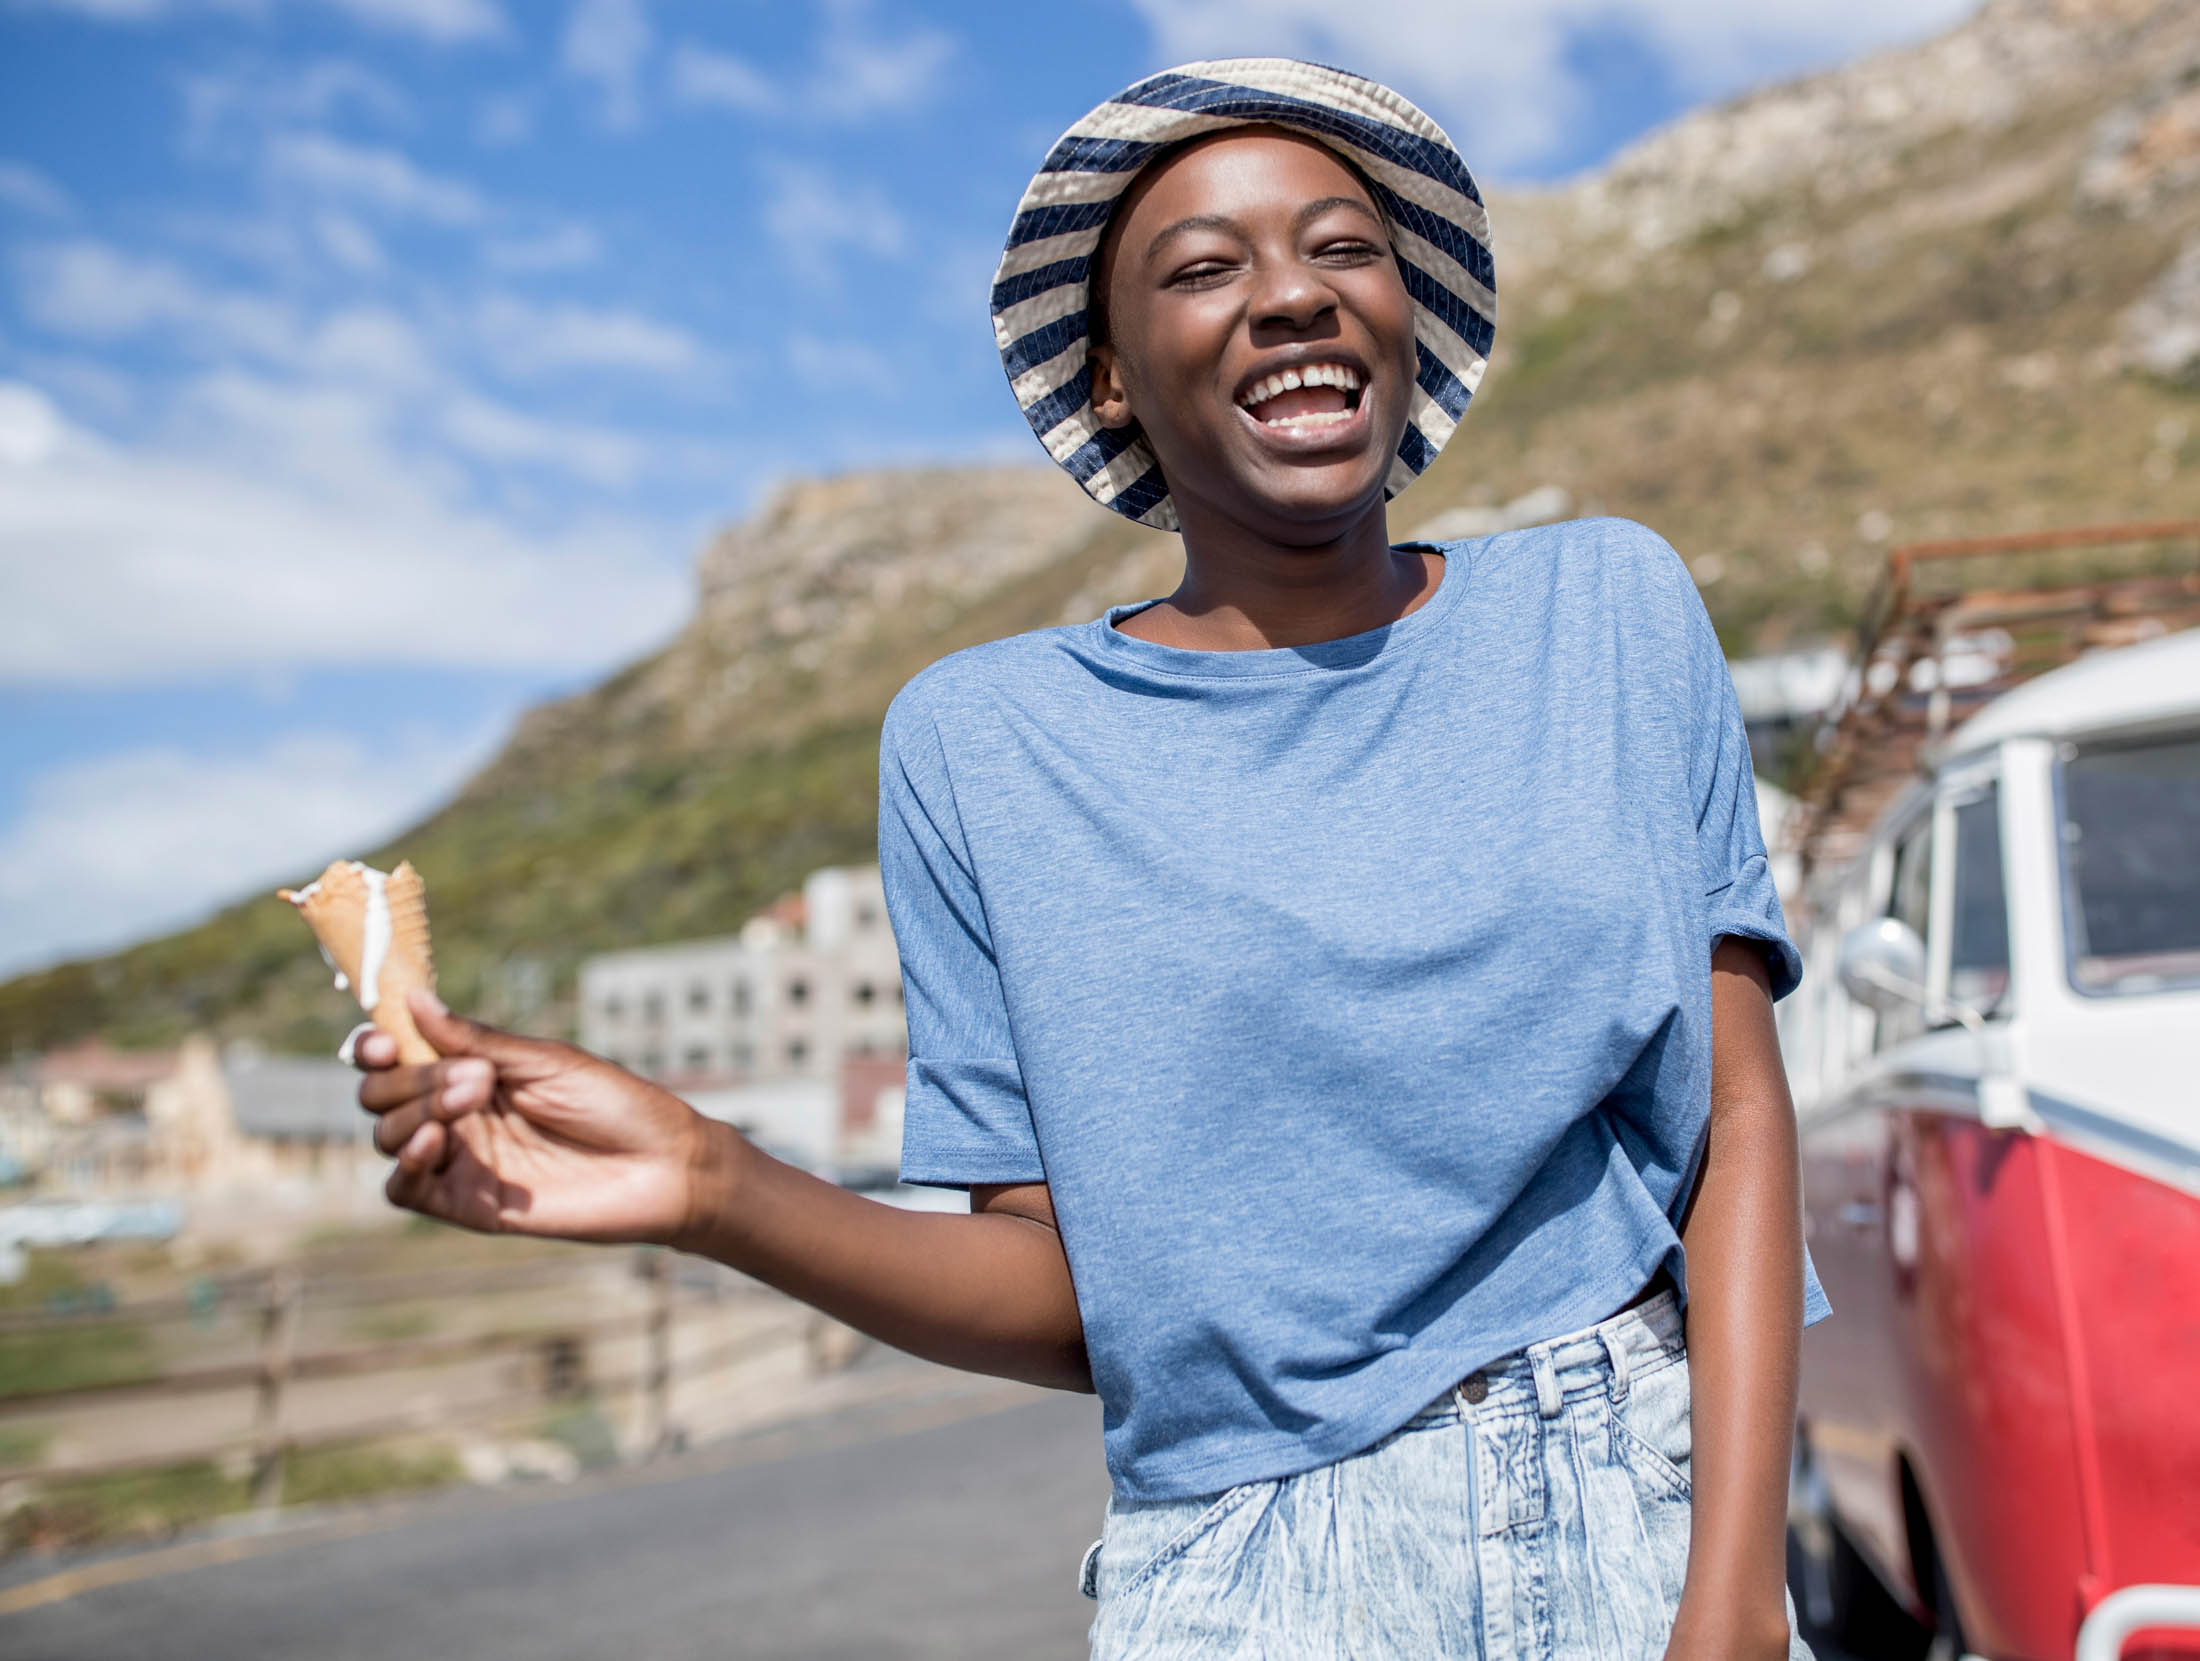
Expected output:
(607, 41)
(529, 339)
(385, 179)
(113, 848)
(296, 537)
(446, 22)
(241, 104)
(496, 432)
(701, 75)
(349, 243)
(814, 217)
(92, 291)
(111, 11)
(860, 72)
(560, 248)
(863, 73)
(1504, 82)
(23, 186)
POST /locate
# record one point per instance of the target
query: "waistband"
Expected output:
(1541, 1375)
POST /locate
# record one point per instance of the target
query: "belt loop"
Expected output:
(1616, 1349)
(1547, 1398)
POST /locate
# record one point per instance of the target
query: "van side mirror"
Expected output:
(1882, 965)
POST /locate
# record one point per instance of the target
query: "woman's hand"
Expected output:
(515, 1135)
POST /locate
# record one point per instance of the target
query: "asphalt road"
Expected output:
(948, 1526)
(851, 1538)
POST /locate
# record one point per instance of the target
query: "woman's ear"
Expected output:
(1111, 400)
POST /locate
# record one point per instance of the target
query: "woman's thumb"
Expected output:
(456, 1034)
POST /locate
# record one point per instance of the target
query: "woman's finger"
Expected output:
(395, 1128)
(423, 1150)
(379, 1092)
(460, 1086)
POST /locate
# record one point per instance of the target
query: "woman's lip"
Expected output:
(1308, 440)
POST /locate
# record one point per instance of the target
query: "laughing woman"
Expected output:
(1344, 986)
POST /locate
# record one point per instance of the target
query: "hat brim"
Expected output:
(1438, 225)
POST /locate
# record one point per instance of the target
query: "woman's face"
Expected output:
(1259, 333)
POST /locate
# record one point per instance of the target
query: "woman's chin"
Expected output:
(1322, 497)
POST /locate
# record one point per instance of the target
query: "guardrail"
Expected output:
(277, 1299)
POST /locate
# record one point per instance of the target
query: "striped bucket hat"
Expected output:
(1438, 227)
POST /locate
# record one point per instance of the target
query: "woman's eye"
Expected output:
(1201, 275)
(1349, 251)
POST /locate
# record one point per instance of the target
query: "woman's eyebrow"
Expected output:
(1314, 210)
(1196, 222)
(1219, 222)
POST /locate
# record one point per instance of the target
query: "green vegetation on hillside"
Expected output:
(1810, 377)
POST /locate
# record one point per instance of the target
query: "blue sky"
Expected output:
(370, 369)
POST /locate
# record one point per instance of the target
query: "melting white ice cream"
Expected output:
(374, 944)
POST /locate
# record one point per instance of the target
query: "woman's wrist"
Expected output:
(1715, 1627)
(717, 1154)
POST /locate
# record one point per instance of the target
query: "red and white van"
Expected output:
(1995, 1054)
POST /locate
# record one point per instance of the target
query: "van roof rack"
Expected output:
(1951, 626)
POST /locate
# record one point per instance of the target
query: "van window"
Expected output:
(1909, 898)
(2131, 887)
(1978, 946)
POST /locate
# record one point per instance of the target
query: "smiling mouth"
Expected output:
(1309, 395)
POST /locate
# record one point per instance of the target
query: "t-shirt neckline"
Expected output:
(1352, 651)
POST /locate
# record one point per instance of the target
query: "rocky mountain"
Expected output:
(1945, 290)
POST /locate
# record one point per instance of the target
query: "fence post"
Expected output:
(278, 1342)
(658, 1434)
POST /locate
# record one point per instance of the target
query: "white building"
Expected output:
(808, 984)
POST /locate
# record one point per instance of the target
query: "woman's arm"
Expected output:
(523, 1136)
(989, 1292)
(1744, 1238)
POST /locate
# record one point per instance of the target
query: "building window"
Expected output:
(798, 992)
(740, 997)
(653, 1006)
(865, 992)
(798, 1051)
(614, 1007)
(698, 1058)
(897, 994)
(743, 1058)
(653, 1061)
(866, 914)
(698, 998)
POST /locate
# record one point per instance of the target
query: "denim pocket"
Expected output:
(1650, 1427)
(1151, 1535)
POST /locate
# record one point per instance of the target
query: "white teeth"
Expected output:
(1313, 374)
(1325, 418)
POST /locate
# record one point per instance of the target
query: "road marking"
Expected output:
(760, 1448)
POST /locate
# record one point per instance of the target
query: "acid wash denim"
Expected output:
(1538, 1511)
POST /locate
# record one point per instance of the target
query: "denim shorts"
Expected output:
(1537, 1511)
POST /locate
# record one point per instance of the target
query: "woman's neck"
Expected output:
(1242, 592)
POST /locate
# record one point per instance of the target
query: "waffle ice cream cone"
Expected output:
(373, 930)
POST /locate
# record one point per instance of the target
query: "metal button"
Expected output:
(1476, 1388)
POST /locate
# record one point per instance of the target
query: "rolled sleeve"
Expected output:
(967, 1119)
(1740, 898)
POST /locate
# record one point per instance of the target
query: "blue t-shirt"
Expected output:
(1353, 999)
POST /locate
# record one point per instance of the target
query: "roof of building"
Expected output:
(96, 1066)
(293, 1098)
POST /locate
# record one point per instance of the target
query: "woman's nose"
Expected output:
(1291, 295)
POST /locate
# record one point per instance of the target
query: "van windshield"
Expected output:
(2131, 886)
